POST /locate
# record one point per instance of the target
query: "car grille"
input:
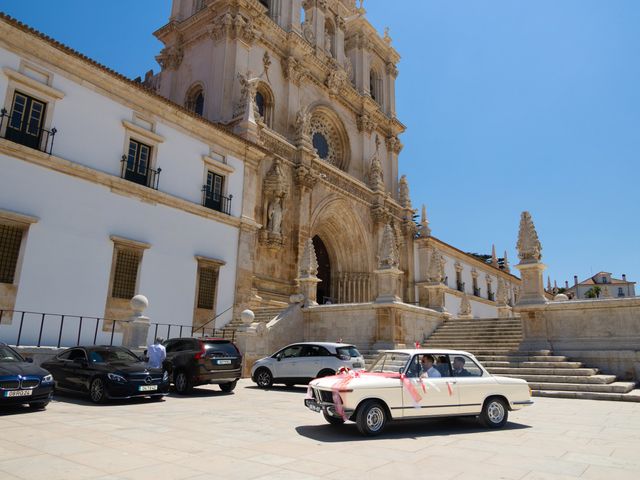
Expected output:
(324, 396)
(30, 383)
(10, 384)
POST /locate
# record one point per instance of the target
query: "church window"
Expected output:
(375, 86)
(10, 241)
(260, 103)
(195, 100)
(264, 104)
(213, 193)
(321, 145)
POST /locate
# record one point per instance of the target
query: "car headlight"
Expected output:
(47, 379)
(165, 376)
(116, 378)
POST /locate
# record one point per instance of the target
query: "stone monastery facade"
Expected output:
(269, 124)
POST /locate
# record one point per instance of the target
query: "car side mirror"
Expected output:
(401, 371)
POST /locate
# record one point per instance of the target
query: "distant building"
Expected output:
(603, 285)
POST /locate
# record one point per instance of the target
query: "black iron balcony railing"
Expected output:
(215, 201)
(460, 286)
(476, 292)
(138, 173)
(491, 296)
(27, 133)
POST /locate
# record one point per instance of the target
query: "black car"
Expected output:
(23, 382)
(198, 361)
(105, 372)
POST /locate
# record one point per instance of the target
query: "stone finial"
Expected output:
(435, 271)
(376, 181)
(139, 304)
(505, 263)
(387, 37)
(275, 181)
(389, 257)
(425, 231)
(494, 257)
(465, 306)
(555, 287)
(529, 247)
(403, 194)
(308, 262)
(247, 317)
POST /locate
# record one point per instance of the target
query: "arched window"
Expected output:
(264, 104)
(375, 86)
(195, 100)
(321, 145)
(329, 137)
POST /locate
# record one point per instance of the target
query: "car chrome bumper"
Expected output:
(519, 405)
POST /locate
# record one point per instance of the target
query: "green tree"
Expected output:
(593, 292)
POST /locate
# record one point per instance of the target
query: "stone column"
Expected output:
(136, 328)
(307, 275)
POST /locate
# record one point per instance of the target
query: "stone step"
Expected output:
(633, 396)
(527, 364)
(465, 335)
(521, 358)
(615, 387)
(574, 372)
(599, 379)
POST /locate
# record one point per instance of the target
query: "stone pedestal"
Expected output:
(309, 288)
(532, 290)
(505, 311)
(435, 293)
(136, 328)
(389, 281)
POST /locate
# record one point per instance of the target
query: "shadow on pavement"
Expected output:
(199, 393)
(401, 429)
(281, 388)
(18, 410)
(79, 399)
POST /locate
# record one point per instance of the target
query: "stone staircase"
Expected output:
(263, 314)
(496, 343)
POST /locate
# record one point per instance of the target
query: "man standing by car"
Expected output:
(156, 353)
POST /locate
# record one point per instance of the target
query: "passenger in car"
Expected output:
(428, 370)
(458, 367)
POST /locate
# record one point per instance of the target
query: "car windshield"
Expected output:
(221, 348)
(7, 355)
(390, 362)
(350, 351)
(112, 356)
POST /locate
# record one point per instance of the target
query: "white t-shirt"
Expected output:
(156, 353)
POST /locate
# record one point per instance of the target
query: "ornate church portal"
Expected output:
(324, 271)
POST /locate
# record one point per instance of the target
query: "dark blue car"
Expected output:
(21, 382)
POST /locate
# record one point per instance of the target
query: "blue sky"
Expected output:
(509, 106)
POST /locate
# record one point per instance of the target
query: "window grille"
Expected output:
(126, 273)
(207, 282)
(10, 241)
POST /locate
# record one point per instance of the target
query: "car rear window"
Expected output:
(350, 351)
(221, 348)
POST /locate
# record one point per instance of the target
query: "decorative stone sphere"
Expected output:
(247, 317)
(561, 297)
(296, 298)
(139, 304)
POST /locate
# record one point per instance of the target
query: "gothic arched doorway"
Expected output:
(324, 270)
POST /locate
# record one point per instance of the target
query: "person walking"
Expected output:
(156, 353)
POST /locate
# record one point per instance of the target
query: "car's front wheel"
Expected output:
(264, 379)
(182, 383)
(371, 418)
(494, 413)
(228, 387)
(97, 391)
(335, 421)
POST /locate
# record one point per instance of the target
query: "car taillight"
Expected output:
(344, 357)
(201, 354)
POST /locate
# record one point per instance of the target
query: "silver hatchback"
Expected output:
(299, 363)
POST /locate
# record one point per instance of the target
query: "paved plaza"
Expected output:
(256, 434)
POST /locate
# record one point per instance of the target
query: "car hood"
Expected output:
(357, 380)
(21, 368)
(126, 368)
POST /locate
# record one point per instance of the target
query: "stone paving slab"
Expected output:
(258, 434)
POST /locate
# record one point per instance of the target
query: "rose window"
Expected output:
(326, 141)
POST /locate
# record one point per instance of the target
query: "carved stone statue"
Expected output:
(376, 181)
(529, 247)
(502, 295)
(246, 106)
(465, 307)
(403, 194)
(275, 216)
(303, 125)
(435, 270)
(389, 257)
(327, 42)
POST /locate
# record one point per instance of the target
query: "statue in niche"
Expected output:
(327, 42)
(274, 215)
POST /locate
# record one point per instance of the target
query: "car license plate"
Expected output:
(312, 405)
(224, 362)
(18, 393)
(147, 388)
(357, 365)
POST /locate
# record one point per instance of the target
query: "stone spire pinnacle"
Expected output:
(425, 231)
(548, 283)
(389, 257)
(505, 263)
(403, 194)
(308, 261)
(529, 247)
(376, 181)
(494, 257)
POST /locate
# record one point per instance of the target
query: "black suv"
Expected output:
(198, 361)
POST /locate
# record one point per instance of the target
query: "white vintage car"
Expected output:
(420, 383)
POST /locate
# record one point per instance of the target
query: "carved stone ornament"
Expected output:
(304, 176)
(308, 262)
(380, 213)
(303, 126)
(435, 269)
(327, 42)
(403, 192)
(365, 123)
(234, 27)
(170, 58)
(274, 190)
(307, 30)
(392, 69)
(529, 247)
(505, 263)
(340, 23)
(425, 231)
(502, 294)
(275, 181)
(393, 144)
(293, 69)
(389, 257)
(474, 272)
(458, 267)
(376, 179)
(336, 80)
(465, 306)
(247, 102)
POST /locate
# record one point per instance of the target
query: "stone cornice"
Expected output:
(15, 217)
(116, 184)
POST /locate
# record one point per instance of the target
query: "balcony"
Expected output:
(460, 286)
(491, 296)
(215, 201)
(476, 292)
(139, 173)
(27, 133)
